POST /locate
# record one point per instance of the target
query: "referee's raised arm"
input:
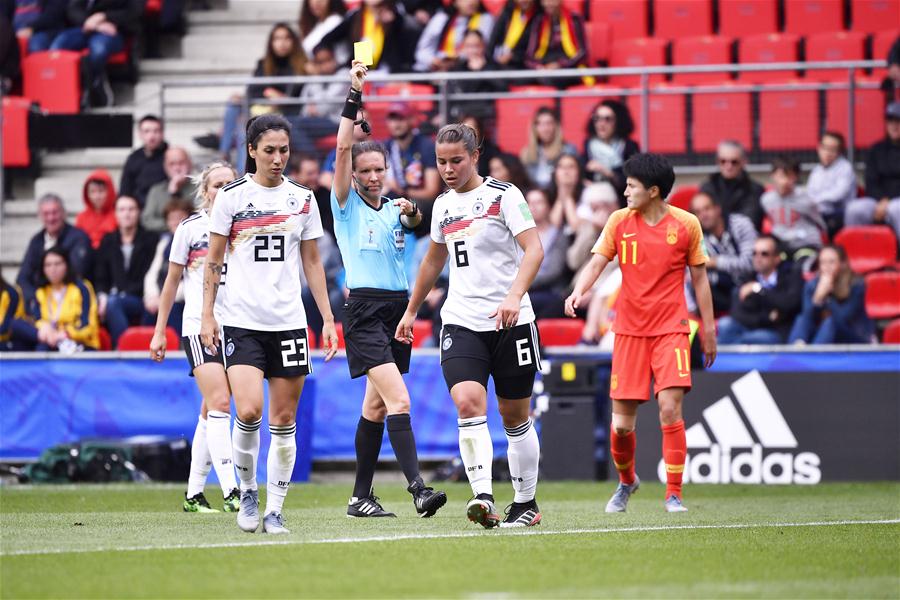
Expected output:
(343, 167)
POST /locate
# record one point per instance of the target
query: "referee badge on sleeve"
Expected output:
(399, 240)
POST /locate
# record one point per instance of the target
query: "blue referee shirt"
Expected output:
(372, 243)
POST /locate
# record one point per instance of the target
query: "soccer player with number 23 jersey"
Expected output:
(654, 242)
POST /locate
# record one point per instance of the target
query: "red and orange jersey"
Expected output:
(652, 259)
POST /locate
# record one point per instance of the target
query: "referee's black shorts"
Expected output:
(371, 317)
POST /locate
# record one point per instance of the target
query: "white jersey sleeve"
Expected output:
(515, 211)
(436, 233)
(224, 209)
(181, 246)
(312, 227)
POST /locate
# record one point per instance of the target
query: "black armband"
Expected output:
(352, 104)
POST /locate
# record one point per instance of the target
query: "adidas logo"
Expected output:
(769, 458)
(249, 206)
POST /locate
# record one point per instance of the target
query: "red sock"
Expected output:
(674, 450)
(622, 448)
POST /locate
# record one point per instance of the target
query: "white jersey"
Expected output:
(479, 228)
(264, 227)
(190, 245)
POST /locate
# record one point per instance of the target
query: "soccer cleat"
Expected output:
(367, 507)
(232, 501)
(197, 504)
(426, 500)
(673, 504)
(619, 500)
(525, 514)
(480, 509)
(273, 523)
(248, 515)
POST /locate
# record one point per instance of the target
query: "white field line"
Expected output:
(440, 536)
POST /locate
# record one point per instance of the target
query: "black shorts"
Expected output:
(370, 320)
(197, 354)
(510, 356)
(275, 353)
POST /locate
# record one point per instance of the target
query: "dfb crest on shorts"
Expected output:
(229, 349)
(447, 343)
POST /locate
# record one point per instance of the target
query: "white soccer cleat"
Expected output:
(673, 504)
(619, 500)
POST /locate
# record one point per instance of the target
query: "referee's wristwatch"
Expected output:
(415, 207)
(757, 287)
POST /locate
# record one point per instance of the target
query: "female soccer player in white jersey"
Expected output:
(371, 232)
(489, 330)
(269, 224)
(211, 446)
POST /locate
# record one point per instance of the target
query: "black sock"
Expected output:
(404, 443)
(368, 445)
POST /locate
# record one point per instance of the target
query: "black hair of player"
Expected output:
(651, 170)
(256, 127)
(361, 148)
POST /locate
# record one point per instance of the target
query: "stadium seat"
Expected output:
(640, 52)
(883, 295)
(788, 120)
(423, 330)
(892, 333)
(23, 46)
(514, 116)
(703, 50)
(681, 197)
(560, 332)
(495, 7)
(721, 115)
(106, 340)
(768, 48)
(869, 247)
(138, 339)
(408, 89)
(311, 338)
(675, 19)
(575, 111)
(627, 20)
(881, 45)
(339, 328)
(16, 152)
(53, 80)
(805, 17)
(868, 103)
(747, 17)
(835, 46)
(574, 6)
(352, 4)
(874, 15)
(668, 131)
(597, 36)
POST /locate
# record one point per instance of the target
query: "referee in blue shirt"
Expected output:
(371, 233)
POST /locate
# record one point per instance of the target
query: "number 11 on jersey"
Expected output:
(624, 252)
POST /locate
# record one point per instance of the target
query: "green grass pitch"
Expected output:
(831, 540)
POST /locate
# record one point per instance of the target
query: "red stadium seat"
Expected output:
(703, 50)
(514, 116)
(339, 328)
(835, 46)
(805, 17)
(408, 89)
(868, 105)
(681, 197)
(23, 46)
(641, 52)
(495, 7)
(788, 120)
(597, 36)
(892, 333)
(53, 80)
(311, 339)
(874, 15)
(719, 116)
(883, 295)
(626, 20)
(352, 4)
(423, 330)
(576, 111)
(869, 247)
(747, 17)
(16, 152)
(768, 48)
(106, 340)
(881, 45)
(138, 338)
(575, 6)
(682, 18)
(560, 332)
(668, 131)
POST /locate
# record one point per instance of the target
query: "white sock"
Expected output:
(201, 462)
(524, 455)
(477, 451)
(218, 438)
(280, 465)
(245, 450)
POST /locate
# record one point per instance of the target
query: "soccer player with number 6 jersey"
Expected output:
(481, 224)
(654, 242)
(270, 225)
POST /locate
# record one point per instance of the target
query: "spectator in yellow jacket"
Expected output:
(12, 317)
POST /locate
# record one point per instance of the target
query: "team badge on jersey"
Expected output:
(478, 208)
(614, 382)
(671, 235)
(293, 203)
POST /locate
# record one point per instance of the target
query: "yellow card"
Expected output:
(362, 51)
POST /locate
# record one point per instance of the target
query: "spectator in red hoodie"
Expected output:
(99, 216)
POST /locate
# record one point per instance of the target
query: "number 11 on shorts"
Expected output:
(684, 365)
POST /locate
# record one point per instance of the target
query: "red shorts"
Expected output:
(635, 359)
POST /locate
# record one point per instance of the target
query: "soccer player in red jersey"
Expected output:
(654, 243)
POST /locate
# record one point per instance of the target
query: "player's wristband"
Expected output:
(352, 104)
